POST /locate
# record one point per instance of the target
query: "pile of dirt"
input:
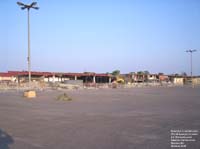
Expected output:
(64, 97)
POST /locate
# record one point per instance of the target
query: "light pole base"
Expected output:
(30, 94)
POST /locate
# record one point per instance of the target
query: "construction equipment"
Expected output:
(119, 80)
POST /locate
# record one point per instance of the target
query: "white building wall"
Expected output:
(54, 79)
(196, 81)
(8, 78)
(178, 81)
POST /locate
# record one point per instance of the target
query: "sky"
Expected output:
(102, 36)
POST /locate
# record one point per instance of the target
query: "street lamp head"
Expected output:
(20, 4)
(33, 4)
(24, 6)
(191, 51)
(35, 8)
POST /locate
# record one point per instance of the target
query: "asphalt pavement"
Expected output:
(136, 118)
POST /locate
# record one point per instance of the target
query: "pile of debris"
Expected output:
(64, 97)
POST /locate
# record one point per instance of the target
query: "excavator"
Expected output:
(119, 80)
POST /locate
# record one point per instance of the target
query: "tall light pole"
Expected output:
(191, 51)
(28, 7)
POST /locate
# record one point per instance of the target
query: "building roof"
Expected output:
(5, 74)
(69, 74)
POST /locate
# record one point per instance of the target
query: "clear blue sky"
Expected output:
(102, 35)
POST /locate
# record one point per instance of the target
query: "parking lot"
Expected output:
(134, 118)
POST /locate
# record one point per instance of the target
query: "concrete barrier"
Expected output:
(30, 94)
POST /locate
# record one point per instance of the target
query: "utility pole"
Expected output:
(28, 7)
(191, 52)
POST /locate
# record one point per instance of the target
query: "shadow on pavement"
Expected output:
(5, 140)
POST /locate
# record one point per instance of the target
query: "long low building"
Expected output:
(87, 77)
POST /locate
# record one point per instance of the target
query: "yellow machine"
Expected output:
(119, 79)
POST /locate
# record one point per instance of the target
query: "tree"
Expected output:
(146, 72)
(140, 72)
(160, 73)
(184, 74)
(116, 72)
(176, 74)
(132, 73)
